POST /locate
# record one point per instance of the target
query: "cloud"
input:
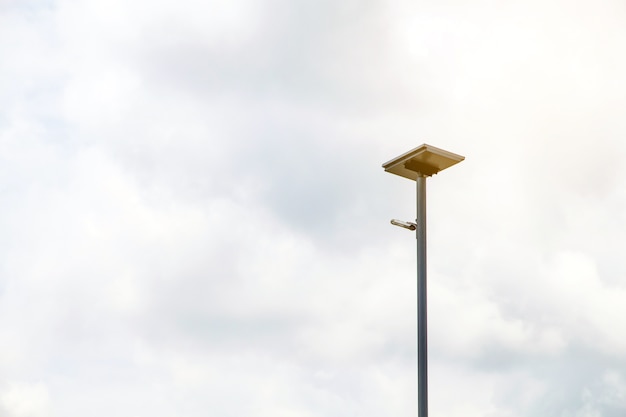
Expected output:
(21, 400)
(194, 216)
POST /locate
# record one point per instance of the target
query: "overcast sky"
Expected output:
(194, 220)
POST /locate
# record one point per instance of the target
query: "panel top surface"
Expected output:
(424, 160)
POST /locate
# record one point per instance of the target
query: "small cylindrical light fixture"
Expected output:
(406, 225)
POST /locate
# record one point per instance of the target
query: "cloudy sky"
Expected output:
(194, 220)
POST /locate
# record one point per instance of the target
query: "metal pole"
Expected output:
(422, 318)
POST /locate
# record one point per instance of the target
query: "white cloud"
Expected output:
(194, 216)
(25, 400)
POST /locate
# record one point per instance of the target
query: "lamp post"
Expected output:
(418, 164)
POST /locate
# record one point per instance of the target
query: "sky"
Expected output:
(194, 219)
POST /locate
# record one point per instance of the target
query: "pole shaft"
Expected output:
(422, 316)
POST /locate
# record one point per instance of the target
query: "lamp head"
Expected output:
(406, 225)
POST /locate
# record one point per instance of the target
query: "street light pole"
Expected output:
(422, 310)
(418, 164)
